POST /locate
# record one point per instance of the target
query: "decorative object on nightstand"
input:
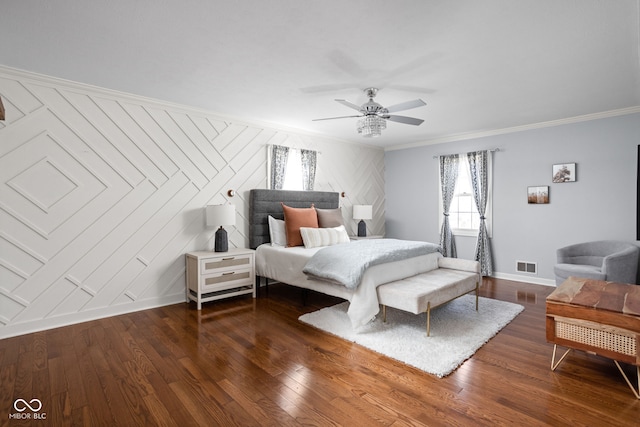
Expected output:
(212, 276)
(219, 215)
(362, 212)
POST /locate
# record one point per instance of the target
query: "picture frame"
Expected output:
(537, 195)
(563, 172)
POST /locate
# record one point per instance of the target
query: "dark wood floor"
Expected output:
(251, 362)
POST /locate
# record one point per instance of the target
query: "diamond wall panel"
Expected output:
(103, 192)
(44, 184)
(32, 195)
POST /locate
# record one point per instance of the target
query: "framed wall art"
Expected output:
(538, 195)
(564, 172)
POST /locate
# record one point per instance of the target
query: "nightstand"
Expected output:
(212, 276)
(373, 236)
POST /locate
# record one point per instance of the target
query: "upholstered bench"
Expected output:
(597, 317)
(453, 278)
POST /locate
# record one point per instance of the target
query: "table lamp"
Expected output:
(362, 212)
(219, 215)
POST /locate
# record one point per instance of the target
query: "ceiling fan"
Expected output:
(373, 116)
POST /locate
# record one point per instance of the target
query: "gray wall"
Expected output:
(601, 204)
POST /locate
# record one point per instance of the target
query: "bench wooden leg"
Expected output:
(384, 313)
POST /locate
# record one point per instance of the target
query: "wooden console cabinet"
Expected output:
(598, 317)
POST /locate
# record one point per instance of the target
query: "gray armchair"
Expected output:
(609, 260)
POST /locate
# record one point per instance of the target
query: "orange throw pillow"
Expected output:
(294, 218)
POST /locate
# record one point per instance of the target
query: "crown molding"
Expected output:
(541, 125)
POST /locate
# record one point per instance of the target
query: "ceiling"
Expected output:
(480, 66)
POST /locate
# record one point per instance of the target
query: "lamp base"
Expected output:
(362, 229)
(221, 242)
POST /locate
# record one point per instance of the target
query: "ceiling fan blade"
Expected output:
(404, 119)
(349, 104)
(413, 89)
(332, 118)
(329, 88)
(406, 105)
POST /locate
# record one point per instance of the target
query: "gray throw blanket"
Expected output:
(346, 263)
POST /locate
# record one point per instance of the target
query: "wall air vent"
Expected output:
(527, 267)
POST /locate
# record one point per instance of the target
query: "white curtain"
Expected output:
(448, 178)
(479, 173)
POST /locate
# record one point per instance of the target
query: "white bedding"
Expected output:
(285, 265)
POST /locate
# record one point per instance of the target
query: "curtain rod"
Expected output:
(492, 150)
(294, 148)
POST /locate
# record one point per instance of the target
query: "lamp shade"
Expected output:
(362, 211)
(219, 215)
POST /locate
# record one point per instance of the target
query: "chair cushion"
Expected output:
(585, 260)
(586, 271)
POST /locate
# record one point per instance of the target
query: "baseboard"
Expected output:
(526, 279)
(74, 318)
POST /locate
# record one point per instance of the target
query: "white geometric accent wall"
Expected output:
(103, 192)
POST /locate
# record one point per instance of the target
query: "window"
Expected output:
(463, 214)
(464, 218)
(293, 174)
(291, 168)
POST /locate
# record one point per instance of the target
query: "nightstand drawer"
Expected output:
(225, 263)
(228, 279)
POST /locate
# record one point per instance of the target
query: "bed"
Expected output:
(285, 264)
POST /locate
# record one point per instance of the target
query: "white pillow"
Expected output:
(277, 232)
(314, 237)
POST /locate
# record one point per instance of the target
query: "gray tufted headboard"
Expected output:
(263, 203)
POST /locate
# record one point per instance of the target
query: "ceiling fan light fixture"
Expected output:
(371, 126)
(373, 116)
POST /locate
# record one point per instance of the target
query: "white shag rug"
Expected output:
(457, 331)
